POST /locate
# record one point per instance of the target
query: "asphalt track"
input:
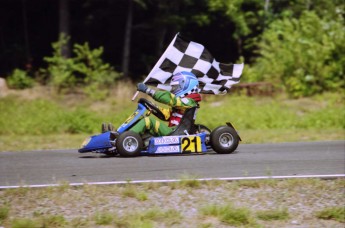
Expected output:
(249, 160)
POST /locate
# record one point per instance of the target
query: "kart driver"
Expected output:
(184, 95)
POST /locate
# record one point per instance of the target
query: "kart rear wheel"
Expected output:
(224, 140)
(129, 144)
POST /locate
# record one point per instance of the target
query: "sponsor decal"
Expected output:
(167, 149)
(166, 140)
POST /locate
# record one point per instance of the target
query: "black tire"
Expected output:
(202, 128)
(110, 127)
(129, 144)
(224, 140)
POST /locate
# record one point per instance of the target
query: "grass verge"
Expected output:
(271, 203)
(56, 122)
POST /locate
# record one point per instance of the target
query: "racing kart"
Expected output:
(187, 137)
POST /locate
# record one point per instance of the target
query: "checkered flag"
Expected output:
(184, 55)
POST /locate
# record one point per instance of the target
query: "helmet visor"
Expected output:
(175, 86)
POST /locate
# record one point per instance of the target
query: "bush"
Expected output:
(304, 55)
(86, 69)
(19, 79)
(60, 69)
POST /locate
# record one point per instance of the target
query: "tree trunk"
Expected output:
(64, 26)
(26, 35)
(127, 40)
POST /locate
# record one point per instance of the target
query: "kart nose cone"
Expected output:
(86, 141)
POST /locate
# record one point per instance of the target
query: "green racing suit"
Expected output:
(172, 114)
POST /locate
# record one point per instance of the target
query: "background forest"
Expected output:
(297, 45)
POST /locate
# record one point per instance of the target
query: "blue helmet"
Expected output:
(184, 83)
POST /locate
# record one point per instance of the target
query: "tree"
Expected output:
(304, 54)
(64, 26)
(127, 39)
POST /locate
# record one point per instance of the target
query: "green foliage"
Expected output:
(270, 215)
(53, 221)
(230, 215)
(266, 113)
(43, 117)
(232, 10)
(19, 79)
(104, 218)
(334, 213)
(25, 223)
(86, 69)
(133, 192)
(148, 217)
(60, 69)
(304, 55)
(4, 212)
(97, 74)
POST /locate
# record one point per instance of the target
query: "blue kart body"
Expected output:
(157, 145)
(102, 143)
(223, 139)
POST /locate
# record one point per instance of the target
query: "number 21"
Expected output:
(191, 144)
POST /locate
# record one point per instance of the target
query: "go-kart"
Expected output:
(187, 137)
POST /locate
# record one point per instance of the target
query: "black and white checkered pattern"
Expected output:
(184, 55)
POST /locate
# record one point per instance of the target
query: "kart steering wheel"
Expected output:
(152, 108)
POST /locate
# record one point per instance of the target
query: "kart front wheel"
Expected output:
(129, 144)
(224, 140)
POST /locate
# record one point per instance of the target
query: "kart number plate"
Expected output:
(191, 144)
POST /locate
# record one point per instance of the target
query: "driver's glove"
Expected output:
(143, 88)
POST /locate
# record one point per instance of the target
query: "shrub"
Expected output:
(19, 79)
(60, 69)
(97, 74)
(302, 54)
(86, 69)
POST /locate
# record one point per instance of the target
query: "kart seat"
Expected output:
(186, 123)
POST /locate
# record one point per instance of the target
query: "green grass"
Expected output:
(132, 192)
(25, 223)
(332, 213)
(104, 218)
(4, 211)
(52, 122)
(271, 215)
(230, 215)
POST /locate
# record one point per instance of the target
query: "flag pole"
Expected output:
(156, 65)
(135, 95)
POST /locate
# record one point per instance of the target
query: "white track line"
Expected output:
(331, 176)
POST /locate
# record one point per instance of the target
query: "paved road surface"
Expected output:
(55, 166)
